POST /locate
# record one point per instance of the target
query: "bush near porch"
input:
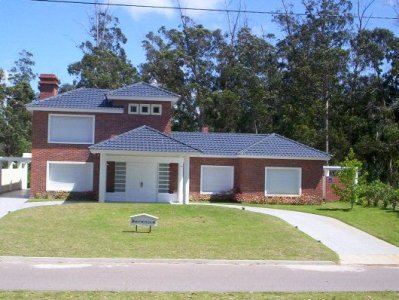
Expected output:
(184, 231)
(256, 198)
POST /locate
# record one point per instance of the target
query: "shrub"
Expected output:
(380, 194)
(349, 190)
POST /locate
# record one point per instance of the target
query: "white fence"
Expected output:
(14, 173)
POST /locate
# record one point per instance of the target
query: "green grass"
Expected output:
(103, 230)
(207, 296)
(381, 223)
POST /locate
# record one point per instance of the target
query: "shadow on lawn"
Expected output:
(334, 209)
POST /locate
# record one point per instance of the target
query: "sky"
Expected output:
(52, 32)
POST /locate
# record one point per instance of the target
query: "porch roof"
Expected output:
(145, 139)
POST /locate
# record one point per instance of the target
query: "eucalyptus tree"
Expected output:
(104, 63)
(314, 60)
(184, 61)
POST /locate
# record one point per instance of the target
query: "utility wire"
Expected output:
(198, 9)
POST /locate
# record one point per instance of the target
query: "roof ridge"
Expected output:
(168, 136)
(160, 88)
(144, 83)
(253, 144)
(116, 136)
(301, 144)
(228, 133)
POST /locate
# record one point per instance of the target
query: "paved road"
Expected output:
(351, 244)
(129, 275)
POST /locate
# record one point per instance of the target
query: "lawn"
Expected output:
(207, 296)
(103, 230)
(381, 223)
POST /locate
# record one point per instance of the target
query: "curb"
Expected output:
(62, 260)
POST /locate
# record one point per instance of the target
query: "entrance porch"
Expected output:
(143, 178)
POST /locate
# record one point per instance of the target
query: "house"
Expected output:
(117, 145)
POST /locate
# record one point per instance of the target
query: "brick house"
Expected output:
(117, 145)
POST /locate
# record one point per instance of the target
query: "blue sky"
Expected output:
(52, 31)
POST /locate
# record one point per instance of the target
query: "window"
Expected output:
(156, 109)
(133, 109)
(69, 176)
(69, 129)
(216, 179)
(120, 177)
(145, 109)
(163, 178)
(283, 181)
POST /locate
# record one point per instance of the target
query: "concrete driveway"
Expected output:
(352, 245)
(16, 200)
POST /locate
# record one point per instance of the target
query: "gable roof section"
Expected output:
(79, 99)
(277, 145)
(141, 90)
(145, 139)
(249, 145)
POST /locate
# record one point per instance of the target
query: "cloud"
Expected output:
(139, 12)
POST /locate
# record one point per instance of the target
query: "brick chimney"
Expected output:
(205, 129)
(48, 85)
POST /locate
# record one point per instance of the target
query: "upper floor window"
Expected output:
(156, 109)
(71, 129)
(133, 108)
(145, 109)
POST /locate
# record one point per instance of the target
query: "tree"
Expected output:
(350, 187)
(15, 133)
(104, 63)
(313, 62)
(247, 85)
(183, 60)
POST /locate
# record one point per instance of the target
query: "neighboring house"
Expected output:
(117, 145)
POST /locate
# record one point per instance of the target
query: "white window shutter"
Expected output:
(216, 179)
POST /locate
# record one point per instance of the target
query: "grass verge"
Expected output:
(102, 230)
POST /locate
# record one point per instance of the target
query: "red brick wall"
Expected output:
(173, 174)
(330, 194)
(249, 173)
(106, 125)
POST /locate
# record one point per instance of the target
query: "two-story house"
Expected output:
(117, 145)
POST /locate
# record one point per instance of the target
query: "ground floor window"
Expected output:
(120, 177)
(281, 181)
(216, 179)
(163, 178)
(70, 176)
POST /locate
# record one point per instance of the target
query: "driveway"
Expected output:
(16, 200)
(352, 245)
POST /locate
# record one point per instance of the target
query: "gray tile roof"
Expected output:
(144, 138)
(277, 145)
(218, 143)
(83, 98)
(141, 89)
(90, 98)
(244, 144)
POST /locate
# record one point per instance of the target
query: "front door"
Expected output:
(141, 180)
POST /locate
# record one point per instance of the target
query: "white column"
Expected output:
(24, 175)
(102, 184)
(180, 182)
(326, 173)
(186, 179)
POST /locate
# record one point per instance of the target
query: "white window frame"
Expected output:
(214, 166)
(299, 170)
(73, 116)
(69, 163)
(152, 109)
(145, 105)
(133, 105)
